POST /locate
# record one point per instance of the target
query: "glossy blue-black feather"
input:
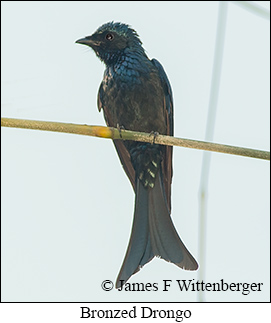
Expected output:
(167, 92)
(136, 94)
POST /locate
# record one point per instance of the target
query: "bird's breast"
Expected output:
(134, 98)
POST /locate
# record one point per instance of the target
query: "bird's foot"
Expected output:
(154, 134)
(119, 129)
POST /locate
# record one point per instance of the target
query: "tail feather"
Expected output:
(139, 250)
(153, 233)
(166, 242)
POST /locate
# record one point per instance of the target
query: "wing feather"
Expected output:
(168, 110)
(123, 153)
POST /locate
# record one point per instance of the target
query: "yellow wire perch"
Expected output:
(113, 133)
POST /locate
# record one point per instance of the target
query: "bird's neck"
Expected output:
(127, 55)
(128, 67)
(109, 59)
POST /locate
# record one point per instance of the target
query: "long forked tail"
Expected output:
(153, 234)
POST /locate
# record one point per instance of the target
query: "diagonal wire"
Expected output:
(254, 8)
(213, 99)
(114, 133)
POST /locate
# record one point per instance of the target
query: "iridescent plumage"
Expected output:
(136, 94)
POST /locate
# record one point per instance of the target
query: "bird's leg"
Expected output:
(119, 129)
(154, 134)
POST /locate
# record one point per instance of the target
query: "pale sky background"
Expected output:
(67, 205)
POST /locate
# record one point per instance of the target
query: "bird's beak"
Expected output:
(89, 41)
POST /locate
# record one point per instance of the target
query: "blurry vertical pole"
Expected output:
(214, 91)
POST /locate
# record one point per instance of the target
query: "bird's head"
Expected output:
(112, 40)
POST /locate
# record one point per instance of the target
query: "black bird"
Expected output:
(136, 94)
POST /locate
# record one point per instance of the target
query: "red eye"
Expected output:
(109, 36)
